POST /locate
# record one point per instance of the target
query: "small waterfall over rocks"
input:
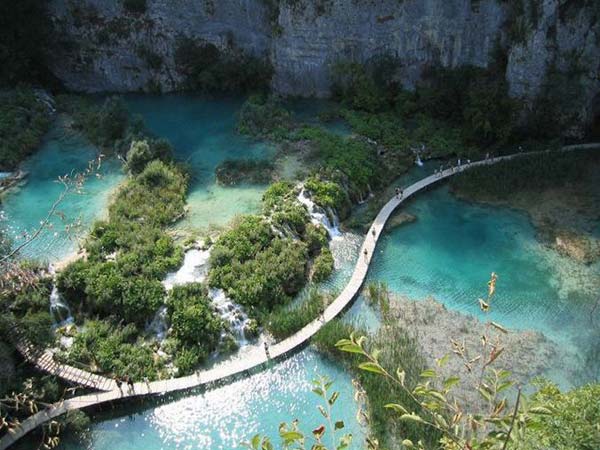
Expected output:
(319, 216)
(59, 309)
(231, 313)
(194, 270)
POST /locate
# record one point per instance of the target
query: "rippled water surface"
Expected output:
(220, 419)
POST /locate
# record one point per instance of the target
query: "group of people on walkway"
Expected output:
(127, 380)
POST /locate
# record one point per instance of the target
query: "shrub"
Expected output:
(192, 318)
(284, 321)
(322, 266)
(23, 122)
(113, 350)
(234, 171)
(206, 68)
(140, 153)
(327, 194)
(263, 116)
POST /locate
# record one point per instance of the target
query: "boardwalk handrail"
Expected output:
(257, 357)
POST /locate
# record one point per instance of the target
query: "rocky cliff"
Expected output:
(105, 47)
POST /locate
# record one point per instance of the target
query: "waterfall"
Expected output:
(319, 216)
(194, 270)
(158, 326)
(59, 309)
(231, 313)
(418, 161)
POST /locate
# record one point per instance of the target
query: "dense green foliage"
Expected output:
(262, 261)
(209, 69)
(322, 266)
(255, 268)
(349, 162)
(263, 116)
(24, 37)
(113, 349)
(106, 125)
(29, 307)
(285, 320)
(195, 325)
(140, 153)
(143, 252)
(135, 6)
(573, 423)
(24, 120)
(529, 173)
(471, 100)
(235, 171)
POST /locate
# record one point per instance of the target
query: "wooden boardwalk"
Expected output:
(44, 360)
(257, 357)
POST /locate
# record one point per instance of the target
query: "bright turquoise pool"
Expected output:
(24, 207)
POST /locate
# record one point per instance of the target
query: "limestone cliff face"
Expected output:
(105, 48)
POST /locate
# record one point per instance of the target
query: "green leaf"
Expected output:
(333, 398)
(339, 425)
(429, 373)
(371, 367)
(291, 436)
(396, 407)
(412, 418)
(504, 386)
(443, 360)
(541, 410)
(255, 442)
(351, 348)
(437, 396)
(319, 391)
(345, 442)
(451, 381)
(485, 394)
(266, 445)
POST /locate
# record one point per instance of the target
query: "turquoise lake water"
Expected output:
(24, 207)
(447, 253)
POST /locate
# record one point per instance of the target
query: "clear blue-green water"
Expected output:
(61, 153)
(202, 132)
(224, 417)
(447, 253)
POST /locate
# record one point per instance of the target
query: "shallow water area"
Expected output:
(62, 152)
(223, 417)
(202, 132)
(450, 251)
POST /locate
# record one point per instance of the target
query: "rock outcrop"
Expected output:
(103, 47)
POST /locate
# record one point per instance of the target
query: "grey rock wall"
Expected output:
(102, 45)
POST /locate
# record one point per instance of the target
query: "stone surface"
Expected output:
(101, 45)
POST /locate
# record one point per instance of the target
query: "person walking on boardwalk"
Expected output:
(130, 384)
(397, 192)
(366, 253)
(119, 383)
(267, 350)
(374, 233)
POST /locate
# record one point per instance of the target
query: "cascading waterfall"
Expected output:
(194, 270)
(418, 161)
(231, 313)
(59, 309)
(319, 216)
